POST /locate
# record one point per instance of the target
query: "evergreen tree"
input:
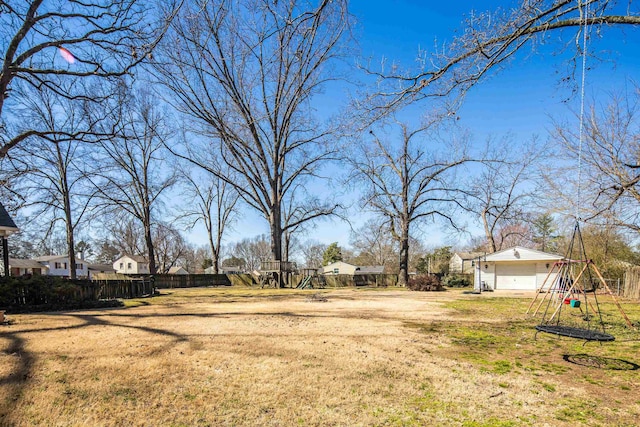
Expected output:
(544, 233)
(333, 253)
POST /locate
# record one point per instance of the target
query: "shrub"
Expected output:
(456, 281)
(425, 282)
(41, 292)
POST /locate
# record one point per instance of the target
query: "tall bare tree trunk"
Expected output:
(148, 239)
(275, 220)
(215, 254)
(403, 274)
(70, 238)
(488, 233)
(64, 185)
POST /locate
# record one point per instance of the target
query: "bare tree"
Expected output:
(41, 41)
(125, 235)
(214, 204)
(374, 244)
(253, 251)
(409, 181)
(295, 216)
(514, 233)
(169, 247)
(52, 168)
(248, 83)
(604, 170)
(488, 41)
(134, 174)
(503, 194)
(312, 252)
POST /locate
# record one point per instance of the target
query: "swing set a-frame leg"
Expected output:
(615, 300)
(541, 289)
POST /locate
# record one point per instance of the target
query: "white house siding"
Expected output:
(131, 265)
(65, 271)
(455, 264)
(59, 266)
(338, 267)
(487, 275)
(463, 262)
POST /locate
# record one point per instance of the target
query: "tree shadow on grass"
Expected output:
(19, 377)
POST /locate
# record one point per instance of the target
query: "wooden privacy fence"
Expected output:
(113, 289)
(631, 287)
(377, 280)
(169, 281)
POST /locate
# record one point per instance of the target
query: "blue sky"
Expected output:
(520, 100)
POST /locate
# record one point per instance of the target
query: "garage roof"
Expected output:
(519, 253)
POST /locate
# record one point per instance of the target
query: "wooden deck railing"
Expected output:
(286, 266)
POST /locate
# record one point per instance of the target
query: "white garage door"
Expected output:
(516, 276)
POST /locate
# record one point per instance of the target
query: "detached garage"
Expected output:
(515, 268)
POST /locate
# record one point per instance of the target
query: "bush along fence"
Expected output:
(39, 293)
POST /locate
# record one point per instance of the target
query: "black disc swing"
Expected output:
(572, 308)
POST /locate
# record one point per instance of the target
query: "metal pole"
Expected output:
(5, 255)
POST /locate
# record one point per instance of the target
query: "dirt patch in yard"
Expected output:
(239, 356)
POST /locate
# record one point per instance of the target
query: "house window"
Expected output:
(57, 265)
(64, 265)
(121, 265)
(129, 265)
(336, 271)
(79, 266)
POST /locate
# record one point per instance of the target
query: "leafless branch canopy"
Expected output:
(608, 175)
(93, 39)
(488, 40)
(503, 194)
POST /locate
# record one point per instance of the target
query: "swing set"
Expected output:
(572, 308)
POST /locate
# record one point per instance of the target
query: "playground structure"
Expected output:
(276, 274)
(311, 279)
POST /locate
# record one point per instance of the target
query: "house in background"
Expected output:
(463, 262)
(22, 267)
(177, 270)
(341, 267)
(516, 268)
(131, 264)
(58, 265)
(370, 269)
(95, 269)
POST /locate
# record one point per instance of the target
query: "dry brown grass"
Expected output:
(239, 356)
